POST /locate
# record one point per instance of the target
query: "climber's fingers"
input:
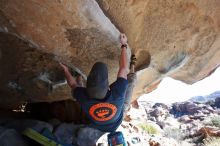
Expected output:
(123, 35)
(123, 38)
(63, 66)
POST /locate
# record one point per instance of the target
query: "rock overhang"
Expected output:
(180, 39)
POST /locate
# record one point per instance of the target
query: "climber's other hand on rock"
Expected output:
(65, 68)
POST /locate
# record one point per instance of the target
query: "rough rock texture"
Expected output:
(34, 35)
(180, 39)
(27, 74)
(11, 137)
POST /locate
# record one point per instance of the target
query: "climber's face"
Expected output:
(97, 82)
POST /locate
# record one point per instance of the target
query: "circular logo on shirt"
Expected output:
(102, 111)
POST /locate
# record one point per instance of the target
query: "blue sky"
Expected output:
(171, 90)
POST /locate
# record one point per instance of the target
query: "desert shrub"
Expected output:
(211, 141)
(174, 133)
(215, 121)
(149, 128)
(185, 143)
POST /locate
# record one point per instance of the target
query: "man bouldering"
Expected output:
(103, 104)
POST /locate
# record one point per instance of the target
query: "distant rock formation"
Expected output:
(217, 102)
(184, 121)
(203, 99)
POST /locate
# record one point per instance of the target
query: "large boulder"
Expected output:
(35, 35)
(67, 132)
(9, 137)
(88, 136)
(180, 39)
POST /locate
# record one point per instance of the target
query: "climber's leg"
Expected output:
(132, 78)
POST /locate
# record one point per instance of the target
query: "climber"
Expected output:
(104, 104)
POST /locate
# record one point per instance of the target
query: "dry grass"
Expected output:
(211, 141)
(150, 129)
(174, 133)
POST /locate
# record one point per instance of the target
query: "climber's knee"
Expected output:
(132, 78)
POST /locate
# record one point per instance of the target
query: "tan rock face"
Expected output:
(75, 30)
(180, 38)
(37, 34)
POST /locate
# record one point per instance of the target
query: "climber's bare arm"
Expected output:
(70, 80)
(123, 63)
